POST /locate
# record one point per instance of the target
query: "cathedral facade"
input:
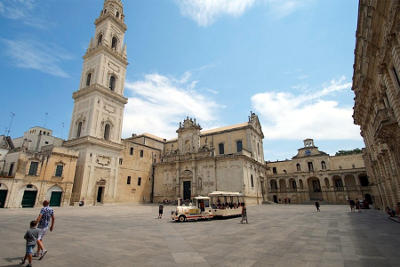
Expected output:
(223, 159)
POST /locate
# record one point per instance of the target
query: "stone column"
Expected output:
(178, 181)
(194, 177)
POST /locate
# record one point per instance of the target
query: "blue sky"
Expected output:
(290, 61)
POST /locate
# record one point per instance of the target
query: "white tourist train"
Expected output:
(218, 204)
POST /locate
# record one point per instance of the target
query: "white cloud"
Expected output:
(22, 11)
(283, 8)
(205, 12)
(288, 116)
(30, 54)
(158, 103)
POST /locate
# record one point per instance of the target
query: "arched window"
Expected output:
(252, 181)
(78, 132)
(114, 42)
(100, 39)
(112, 83)
(59, 170)
(117, 14)
(298, 167)
(301, 184)
(363, 180)
(323, 165)
(88, 78)
(221, 148)
(293, 184)
(107, 132)
(310, 166)
(239, 146)
(105, 11)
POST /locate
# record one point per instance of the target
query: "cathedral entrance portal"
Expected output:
(100, 192)
(187, 190)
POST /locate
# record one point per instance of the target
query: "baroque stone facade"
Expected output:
(314, 175)
(223, 159)
(376, 84)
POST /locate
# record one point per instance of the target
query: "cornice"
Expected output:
(90, 140)
(213, 157)
(103, 48)
(100, 89)
(119, 23)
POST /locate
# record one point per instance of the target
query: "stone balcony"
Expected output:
(384, 124)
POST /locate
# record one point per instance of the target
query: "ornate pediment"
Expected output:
(187, 173)
(255, 122)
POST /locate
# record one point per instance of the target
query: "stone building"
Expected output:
(376, 84)
(36, 168)
(314, 175)
(223, 159)
(97, 117)
(136, 168)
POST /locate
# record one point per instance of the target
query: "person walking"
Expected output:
(244, 214)
(160, 211)
(31, 237)
(43, 220)
(317, 205)
(358, 205)
(352, 204)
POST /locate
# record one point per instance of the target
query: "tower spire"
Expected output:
(96, 122)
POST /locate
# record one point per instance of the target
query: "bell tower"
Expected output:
(96, 122)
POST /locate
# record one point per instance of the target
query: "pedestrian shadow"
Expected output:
(12, 260)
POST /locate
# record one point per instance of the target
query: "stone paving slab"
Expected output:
(277, 235)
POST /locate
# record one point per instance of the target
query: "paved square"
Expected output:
(277, 235)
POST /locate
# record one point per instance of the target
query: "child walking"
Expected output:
(31, 237)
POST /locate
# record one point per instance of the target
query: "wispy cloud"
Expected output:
(282, 8)
(22, 11)
(30, 54)
(206, 12)
(158, 103)
(316, 115)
